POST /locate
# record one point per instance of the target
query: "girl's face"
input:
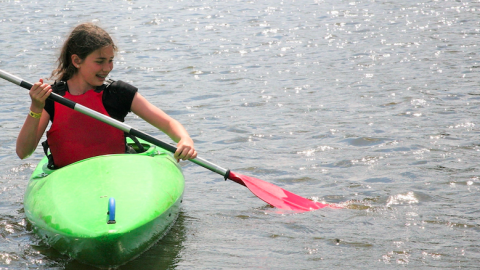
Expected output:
(93, 70)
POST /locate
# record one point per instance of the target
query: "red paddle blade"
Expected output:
(276, 196)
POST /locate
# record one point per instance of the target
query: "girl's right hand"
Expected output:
(39, 93)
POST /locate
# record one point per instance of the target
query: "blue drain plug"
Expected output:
(111, 211)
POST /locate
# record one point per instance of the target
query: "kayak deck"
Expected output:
(69, 207)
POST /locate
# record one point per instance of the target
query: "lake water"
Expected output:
(374, 104)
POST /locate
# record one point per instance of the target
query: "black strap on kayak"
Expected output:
(137, 143)
(51, 164)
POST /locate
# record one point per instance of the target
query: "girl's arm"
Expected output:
(33, 128)
(168, 125)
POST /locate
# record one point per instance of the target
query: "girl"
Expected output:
(85, 61)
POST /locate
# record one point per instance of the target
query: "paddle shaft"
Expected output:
(115, 123)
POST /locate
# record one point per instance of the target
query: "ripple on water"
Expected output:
(365, 141)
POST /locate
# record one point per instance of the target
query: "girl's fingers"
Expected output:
(46, 91)
(179, 154)
(191, 154)
(185, 153)
(42, 90)
(39, 93)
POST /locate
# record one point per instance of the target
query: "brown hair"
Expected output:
(82, 41)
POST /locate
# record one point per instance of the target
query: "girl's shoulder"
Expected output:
(119, 86)
(117, 98)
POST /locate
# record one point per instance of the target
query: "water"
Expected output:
(369, 103)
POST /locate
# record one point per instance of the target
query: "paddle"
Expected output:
(268, 192)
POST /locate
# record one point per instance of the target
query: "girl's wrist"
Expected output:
(36, 109)
(35, 115)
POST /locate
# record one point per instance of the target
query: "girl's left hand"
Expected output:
(185, 150)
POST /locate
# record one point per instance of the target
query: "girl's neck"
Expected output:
(76, 86)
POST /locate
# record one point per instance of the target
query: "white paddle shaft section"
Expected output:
(211, 166)
(11, 78)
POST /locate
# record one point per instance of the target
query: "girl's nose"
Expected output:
(108, 67)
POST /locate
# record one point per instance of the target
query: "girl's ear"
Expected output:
(76, 61)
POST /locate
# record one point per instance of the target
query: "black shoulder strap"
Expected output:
(60, 87)
(104, 86)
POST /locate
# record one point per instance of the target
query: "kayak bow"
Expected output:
(106, 210)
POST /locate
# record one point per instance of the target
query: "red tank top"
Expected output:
(74, 136)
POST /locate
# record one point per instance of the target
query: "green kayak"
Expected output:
(106, 210)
